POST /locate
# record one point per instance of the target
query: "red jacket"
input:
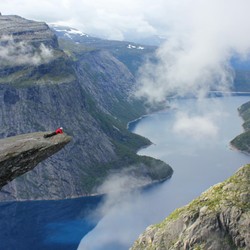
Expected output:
(59, 131)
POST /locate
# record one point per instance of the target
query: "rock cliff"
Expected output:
(218, 219)
(86, 92)
(23, 30)
(20, 154)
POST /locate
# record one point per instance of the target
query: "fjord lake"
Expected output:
(192, 136)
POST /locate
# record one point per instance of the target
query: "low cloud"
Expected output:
(22, 53)
(118, 212)
(202, 37)
(196, 127)
(119, 186)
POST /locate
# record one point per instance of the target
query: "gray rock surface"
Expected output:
(218, 219)
(88, 94)
(21, 29)
(20, 154)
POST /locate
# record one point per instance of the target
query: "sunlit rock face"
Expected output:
(218, 219)
(23, 30)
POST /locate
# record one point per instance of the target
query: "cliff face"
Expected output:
(80, 93)
(23, 30)
(20, 154)
(109, 83)
(45, 107)
(218, 219)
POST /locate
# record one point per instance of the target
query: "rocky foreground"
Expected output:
(20, 154)
(218, 219)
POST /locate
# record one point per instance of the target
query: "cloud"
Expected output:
(119, 185)
(118, 212)
(202, 37)
(123, 19)
(198, 120)
(22, 53)
(108, 19)
(195, 127)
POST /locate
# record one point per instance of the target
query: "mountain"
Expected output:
(23, 30)
(242, 141)
(130, 53)
(133, 54)
(44, 85)
(72, 33)
(218, 219)
(20, 154)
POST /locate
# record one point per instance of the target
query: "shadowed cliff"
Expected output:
(40, 85)
(218, 219)
(20, 154)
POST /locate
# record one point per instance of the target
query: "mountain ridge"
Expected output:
(70, 90)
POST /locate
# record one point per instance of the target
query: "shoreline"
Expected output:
(234, 148)
(94, 195)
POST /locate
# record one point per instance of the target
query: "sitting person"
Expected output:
(57, 131)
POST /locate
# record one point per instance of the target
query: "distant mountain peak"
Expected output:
(68, 31)
(131, 46)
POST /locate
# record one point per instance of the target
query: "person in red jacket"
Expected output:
(57, 131)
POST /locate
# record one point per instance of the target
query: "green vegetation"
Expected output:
(132, 58)
(59, 70)
(74, 63)
(194, 223)
(244, 111)
(74, 50)
(242, 141)
(126, 146)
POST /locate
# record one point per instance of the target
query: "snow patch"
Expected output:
(130, 46)
(68, 30)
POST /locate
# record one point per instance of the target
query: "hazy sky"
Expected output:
(201, 35)
(113, 19)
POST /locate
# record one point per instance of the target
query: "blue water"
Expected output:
(193, 137)
(52, 225)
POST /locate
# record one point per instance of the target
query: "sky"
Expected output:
(201, 36)
(111, 19)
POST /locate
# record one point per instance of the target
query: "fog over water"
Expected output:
(193, 137)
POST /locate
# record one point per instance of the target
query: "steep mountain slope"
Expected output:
(134, 54)
(42, 87)
(129, 53)
(218, 219)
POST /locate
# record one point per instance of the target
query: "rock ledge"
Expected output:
(20, 154)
